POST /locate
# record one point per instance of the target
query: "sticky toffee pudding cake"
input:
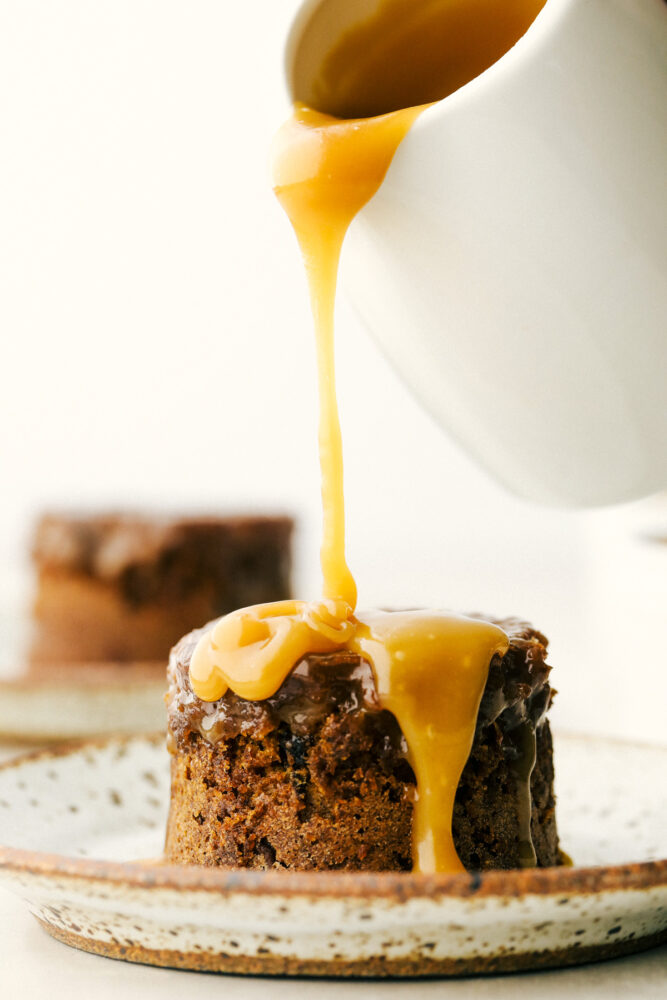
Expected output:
(125, 587)
(318, 776)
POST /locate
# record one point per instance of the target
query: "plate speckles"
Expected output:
(78, 823)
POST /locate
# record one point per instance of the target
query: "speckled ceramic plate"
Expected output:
(81, 700)
(78, 825)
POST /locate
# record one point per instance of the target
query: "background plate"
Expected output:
(81, 700)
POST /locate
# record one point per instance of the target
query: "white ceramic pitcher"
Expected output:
(513, 264)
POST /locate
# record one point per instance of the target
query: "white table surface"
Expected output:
(33, 965)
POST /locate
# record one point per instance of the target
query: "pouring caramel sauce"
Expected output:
(430, 667)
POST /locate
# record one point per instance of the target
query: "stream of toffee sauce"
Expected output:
(430, 667)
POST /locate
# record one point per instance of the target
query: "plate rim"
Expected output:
(396, 886)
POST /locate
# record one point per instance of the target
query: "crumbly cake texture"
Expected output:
(126, 587)
(317, 777)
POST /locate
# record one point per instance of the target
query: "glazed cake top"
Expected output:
(517, 689)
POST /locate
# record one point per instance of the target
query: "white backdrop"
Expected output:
(157, 351)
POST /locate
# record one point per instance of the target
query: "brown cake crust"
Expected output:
(317, 777)
(125, 587)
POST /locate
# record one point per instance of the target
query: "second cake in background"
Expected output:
(123, 587)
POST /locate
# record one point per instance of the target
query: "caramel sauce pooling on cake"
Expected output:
(430, 667)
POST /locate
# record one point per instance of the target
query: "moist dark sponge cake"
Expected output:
(125, 587)
(317, 776)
